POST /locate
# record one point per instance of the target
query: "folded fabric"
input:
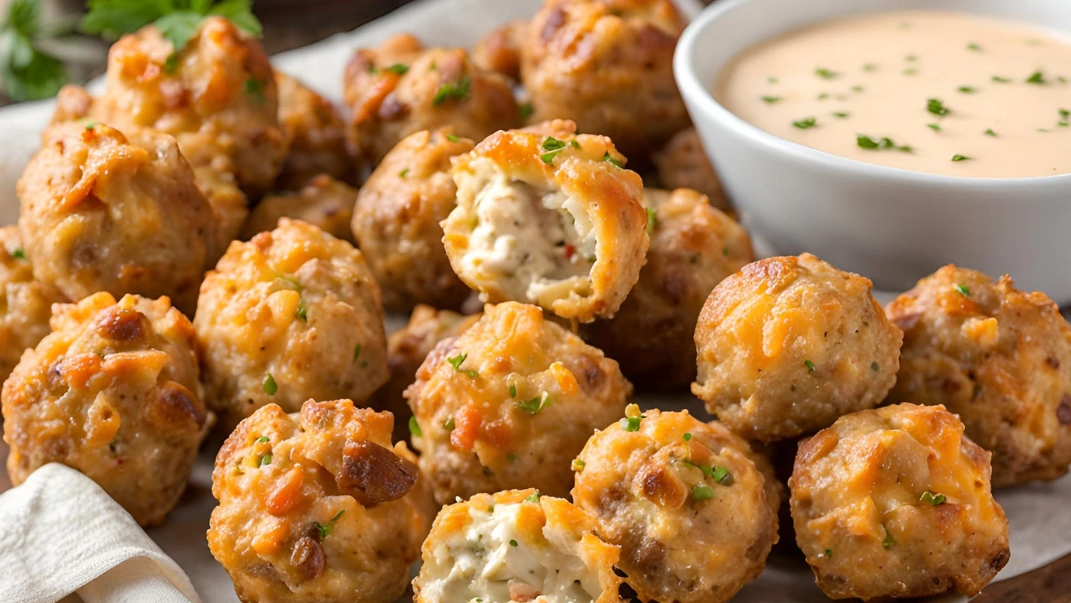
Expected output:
(61, 534)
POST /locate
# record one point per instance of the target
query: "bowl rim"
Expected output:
(684, 71)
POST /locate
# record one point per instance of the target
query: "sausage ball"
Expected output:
(396, 221)
(316, 506)
(788, 344)
(685, 502)
(315, 136)
(683, 163)
(896, 502)
(402, 87)
(510, 403)
(217, 96)
(516, 546)
(113, 392)
(693, 248)
(500, 50)
(25, 304)
(406, 350)
(997, 357)
(291, 315)
(324, 202)
(549, 218)
(104, 212)
(608, 65)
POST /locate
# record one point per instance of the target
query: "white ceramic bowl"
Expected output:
(891, 225)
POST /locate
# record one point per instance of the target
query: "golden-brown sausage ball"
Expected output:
(25, 304)
(607, 65)
(685, 502)
(402, 87)
(396, 221)
(510, 403)
(217, 97)
(997, 357)
(500, 50)
(683, 163)
(316, 506)
(896, 502)
(550, 218)
(788, 344)
(516, 546)
(113, 392)
(323, 201)
(406, 350)
(315, 136)
(293, 314)
(106, 212)
(693, 248)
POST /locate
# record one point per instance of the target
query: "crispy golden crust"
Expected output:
(401, 88)
(500, 50)
(406, 350)
(291, 315)
(315, 136)
(25, 304)
(101, 212)
(396, 221)
(691, 515)
(864, 519)
(316, 506)
(555, 555)
(323, 201)
(788, 344)
(683, 163)
(221, 87)
(113, 392)
(997, 357)
(607, 64)
(525, 396)
(693, 248)
(547, 217)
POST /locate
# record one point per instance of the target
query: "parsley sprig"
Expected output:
(26, 72)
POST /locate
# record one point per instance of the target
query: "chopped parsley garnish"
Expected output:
(534, 405)
(934, 127)
(578, 465)
(19, 254)
(869, 67)
(841, 114)
(533, 498)
(805, 123)
(858, 88)
(269, 385)
(610, 158)
(687, 437)
(397, 69)
(809, 365)
(414, 427)
(933, 499)
(769, 100)
(1065, 114)
(254, 88)
(323, 531)
(302, 311)
(962, 289)
(974, 46)
(261, 439)
(552, 146)
(772, 80)
(512, 390)
(825, 73)
(449, 424)
(631, 423)
(90, 125)
(911, 58)
(513, 543)
(990, 132)
(702, 492)
(888, 542)
(356, 352)
(822, 96)
(866, 142)
(1001, 80)
(457, 91)
(403, 173)
(958, 157)
(452, 138)
(967, 90)
(652, 221)
(264, 460)
(937, 107)
(527, 109)
(910, 71)
(511, 457)
(829, 553)
(1036, 78)
(457, 361)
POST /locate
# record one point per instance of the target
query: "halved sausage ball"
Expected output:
(694, 515)
(693, 248)
(113, 392)
(315, 136)
(510, 403)
(293, 314)
(106, 212)
(396, 221)
(516, 546)
(896, 502)
(789, 344)
(25, 304)
(997, 357)
(683, 163)
(401, 87)
(607, 65)
(323, 201)
(549, 218)
(317, 506)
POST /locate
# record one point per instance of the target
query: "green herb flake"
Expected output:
(1065, 114)
(934, 127)
(652, 221)
(511, 457)
(702, 492)
(866, 142)
(962, 289)
(254, 88)
(631, 423)
(911, 71)
(356, 352)
(448, 424)
(27, 72)
(869, 67)
(687, 437)
(171, 63)
(578, 465)
(457, 91)
(19, 254)
(269, 385)
(534, 405)
(841, 114)
(90, 125)
(452, 138)
(457, 361)
(937, 107)
(958, 157)
(513, 543)
(610, 158)
(829, 553)
(888, 541)
(323, 531)
(990, 132)
(967, 89)
(261, 439)
(911, 58)
(722, 476)
(403, 173)
(397, 69)
(527, 109)
(302, 311)
(974, 46)
(825, 73)
(1036, 78)
(534, 498)
(805, 123)
(772, 80)
(1001, 80)
(512, 390)
(809, 365)
(414, 427)
(552, 146)
(264, 460)
(769, 100)
(858, 88)
(933, 499)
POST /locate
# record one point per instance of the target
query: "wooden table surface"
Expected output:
(293, 23)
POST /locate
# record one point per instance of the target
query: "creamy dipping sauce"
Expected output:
(937, 92)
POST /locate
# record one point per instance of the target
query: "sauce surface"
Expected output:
(936, 92)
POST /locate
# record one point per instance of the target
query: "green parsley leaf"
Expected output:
(457, 361)
(457, 91)
(888, 541)
(829, 553)
(403, 173)
(534, 405)
(178, 21)
(513, 543)
(652, 221)
(90, 125)
(1001, 80)
(869, 67)
(962, 289)
(934, 127)
(974, 46)
(805, 123)
(269, 385)
(1065, 114)
(702, 492)
(631, 423)
(323, 531)
(722, 476)
(511, 457)
(958, 157)
(772, 80)
(809, 365)
(552, 146)
(822, 96)
(449, 424)
(527, 109)
(771, 99)
(578, 465)
(608, 157)
(933, 499)
(990, 132)
(1036, 78)
(254, 88)
(512, 390)
(911, 71)
(397, 69)
(911, 58)
(687, 437)
(967, 90)
(841, 114)
(262, 439)
(858, 88)
(937, 107)
(452, 138)
(264, 460)
(534, 497)
(414, 427)
(19, 254)
(27, 72)
(825, 73)
(302, 311)
(356, 352)
(178, 27)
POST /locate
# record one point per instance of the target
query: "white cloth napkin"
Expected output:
(61, 534)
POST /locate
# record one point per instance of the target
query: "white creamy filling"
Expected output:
(485, 565)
